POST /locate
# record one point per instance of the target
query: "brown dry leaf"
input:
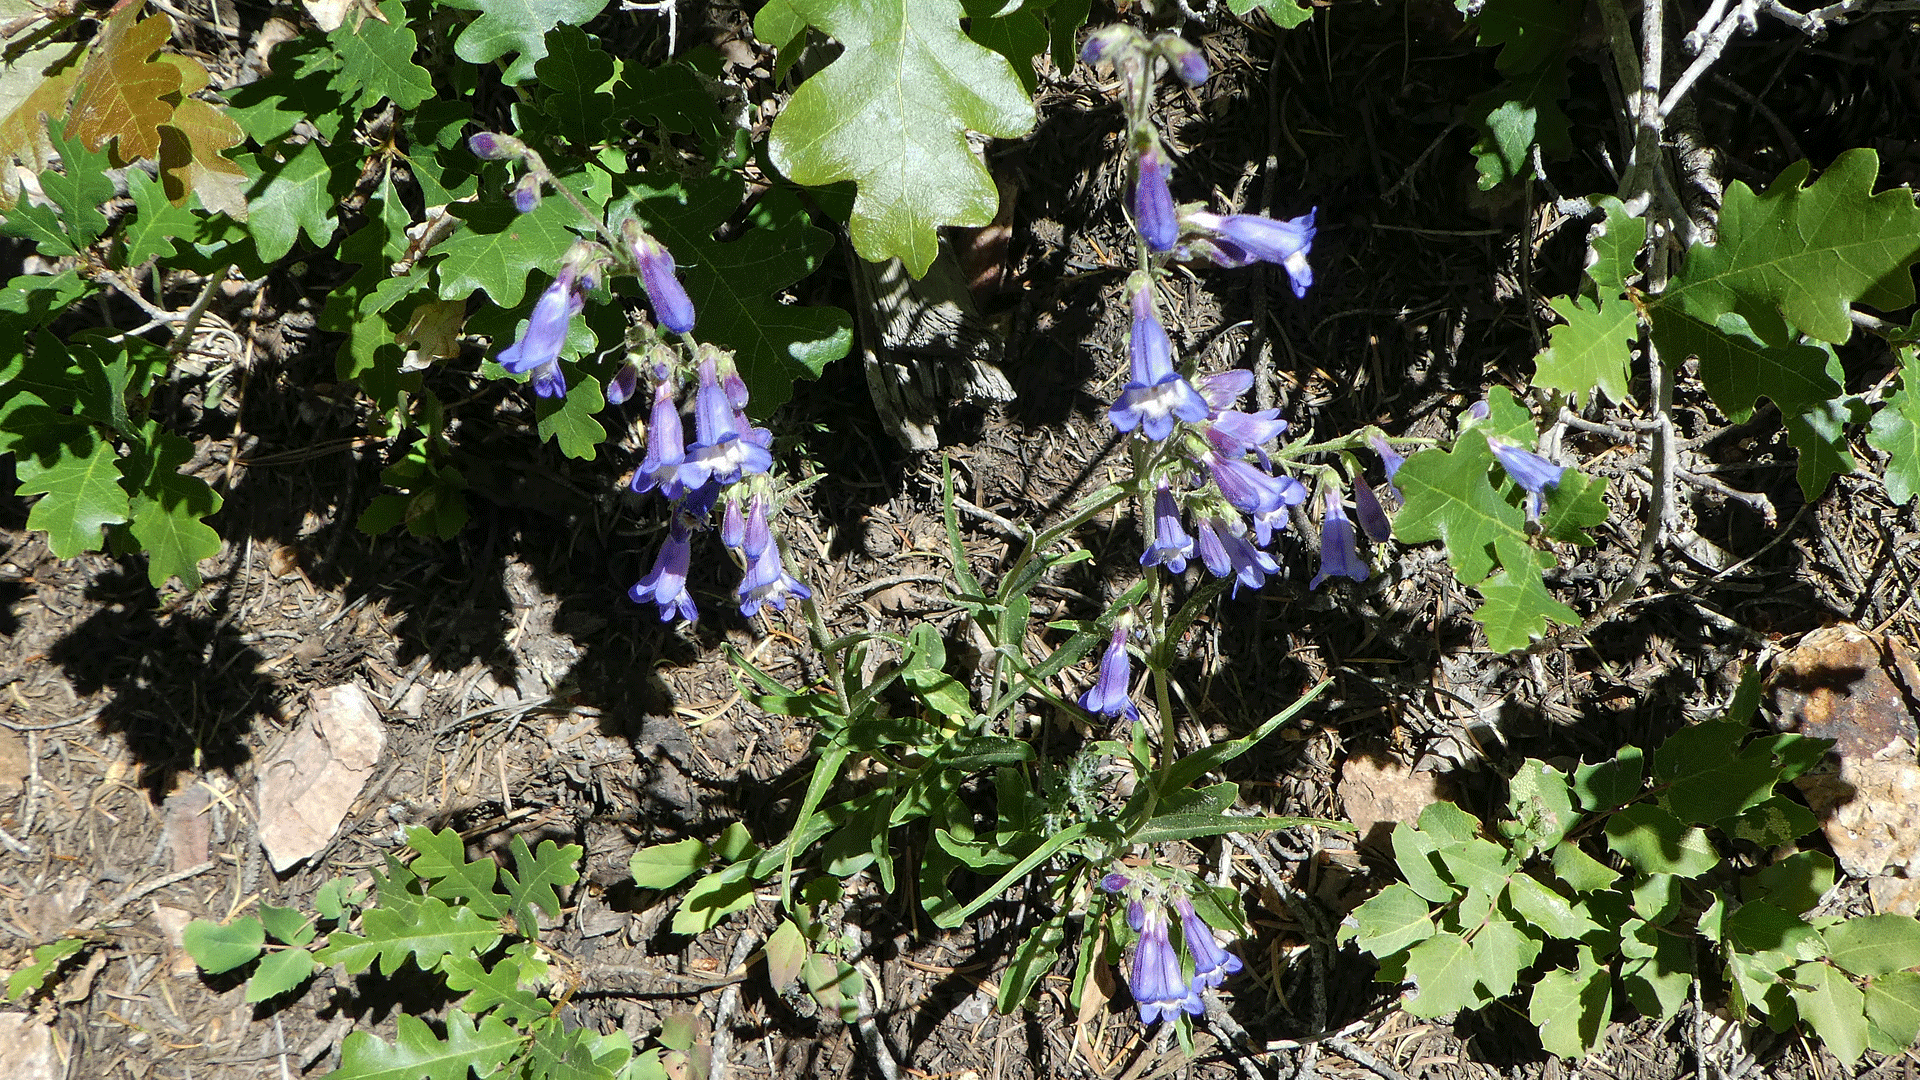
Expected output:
(191, 160)
(432, 333)
(1845, 684)
(307, 787)
(125, 94)
(23, 130)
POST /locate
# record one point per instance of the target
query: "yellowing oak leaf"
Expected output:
(191, 160)
(125, 94)
(892, 114)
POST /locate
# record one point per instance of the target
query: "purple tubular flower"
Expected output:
(670, 302)
(1213, 553)
(1171, 546)
(718, 452)
(767, 581)
(539, 344)
(1222, 390)
(1528, 469)
(1186, 59)
(733, 526)
(1249, 487)
(1339, 557)
(1237, 434)
(1159, 987)
(1367, 509)
(666, 447)
(1109, 695)
(624, 382)
(757, 536)
(1157, 394)
(1247, 238)
(1102, 42)
(666, 584)
(1153, 212)
(1137, 915)
(548, 382)
(1211, 963)
(1388, 457)
(1116, 882)
(698, 502)
(1251, 566)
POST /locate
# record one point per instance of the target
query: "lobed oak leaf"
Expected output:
(192, 159)
(126, 94)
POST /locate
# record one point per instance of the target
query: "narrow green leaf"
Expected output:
(1031, 961)
(663, 866)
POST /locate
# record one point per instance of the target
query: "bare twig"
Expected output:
(1363, 1059)
(139, 891)
(722, 1044)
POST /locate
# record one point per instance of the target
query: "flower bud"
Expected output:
(526, 193)
(1186, 59)
(493, 146)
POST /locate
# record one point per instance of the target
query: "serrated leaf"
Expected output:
(1604, 785)
(278, 973)
(1771, 822)
(46, 958)
(1761, 927)
(443, 861)
(376, 60)
(1413, 853)
(76, 189)
(298, 89)
(1893, 1006)
(1581, 871)
(569, 421)
(1389, 921)
(535, 874)
(1570, 1007)
(1746, 355)
(416, 1053)
(1477, 864)
(1875, 944)
(1450, 497)
(1592, 348)
(169, 509)
(497, 247)
(1541, 801)
(288, 197)
(1834, 1008)
(892, 113)
(125, 95)
(735, 285)
(1810, 250)
(1895, 431)
(1656, 842)
(517, 26)
(220, 948)
(1820, 436)
(1501, 951)
(80, 496)
(1656, 968)
(1442, 971)
(663, 866)
(1548, 910)
(36, 83)
(1796, 883)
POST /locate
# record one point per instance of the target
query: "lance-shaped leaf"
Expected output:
(892, 114)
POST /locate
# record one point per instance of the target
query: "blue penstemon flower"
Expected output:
(1156, 395)
(1156, 975)
(719, 452)
(1232, 240)
(537, 350)
(1111, 693)
(1339, 553)
(1153, 211)
(1171, 545)
(666, 584)
(1535, 474)
(671, 306)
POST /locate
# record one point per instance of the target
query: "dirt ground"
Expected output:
(522, 694)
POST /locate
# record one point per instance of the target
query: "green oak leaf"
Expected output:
(1515, 605)
(155, 224)
(169, 510)
(497, 991)
(568, 83)
(1820, 435)
(1286, 14)
(443, 860)
(1742, 359)
(423, 931)
(1581, 871)
(376, 60)
(76, 190)
(1808, 250)
(290, 196)
(1017, 35)
(1450, 497)
(569, 420)
(734, 285)
(470, 1047)
(299, 88)
(1570, 1007)
(31, 977)
(1534, 37)
(80, 495)
(1895, 431)
(498, 246)
(1591, 349)
(519, 26)
(535, 873)
(1615, 248)
(892, 114)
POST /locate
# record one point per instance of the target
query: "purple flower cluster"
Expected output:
(728, 462)
(1157, 976)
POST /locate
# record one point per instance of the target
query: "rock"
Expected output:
(26, 1046)
(1860, 690)
(309, 784)
(1378, 789)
